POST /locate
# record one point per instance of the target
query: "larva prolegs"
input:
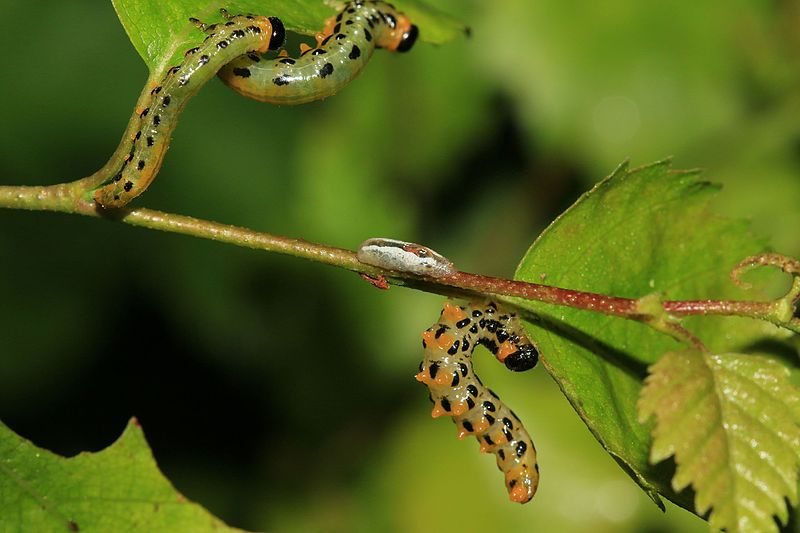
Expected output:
(456, 390)
(136, 162)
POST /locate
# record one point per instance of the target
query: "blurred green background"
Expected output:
(279, 393)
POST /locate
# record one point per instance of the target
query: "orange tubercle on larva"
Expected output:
(452, 313)
(506, 349)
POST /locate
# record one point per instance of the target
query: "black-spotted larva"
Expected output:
(343, 48)
(456, 390)
(402, 256)
(140, 154)
(232, 48)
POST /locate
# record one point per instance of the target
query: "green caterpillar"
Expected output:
(343, 48)
(235, 45)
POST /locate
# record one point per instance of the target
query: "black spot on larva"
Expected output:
(464, 369)
(445, 404)
(173, 70)
(318, 52)
(468, 426)
(118, 176)
(465, 345)
(536, 467)
(140, 166)
(230, 23)
(488, 440)
(440, 331)
(489, 418)
(254, 29)
(287, 61)
(183, 80)
(463, 323)
(420, 366)
(340, 36)
(280, 80)
(454, 348)
(490, 345)
(223, 44)
(476, 313)
(116, 197)
(241, 72)
(156, 120)
(433, 369)
(355, 53)
(254, 57)
(502, 335)
(203, 60)
(278, 33)
(371, 24)
(456, 380)
(138, 134)
(339, 17)
(521, 448)
(145, 112)
(150, 141)
(473, 390)
(507, 434)
(238, 34)
(367, 35)
(128, 186)
(424, 344)
(508, 423)
(348, 22)
(504, 317)
(495, 396)
(501, 454)
(470, 402)
(512, 483)
(492, 325)
(337, 28)
(351, 10)
(156, 90)
(474, 328)
(165, 102)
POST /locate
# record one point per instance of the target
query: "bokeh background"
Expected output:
(279, 393)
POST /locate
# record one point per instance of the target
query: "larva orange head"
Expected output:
(403, 34)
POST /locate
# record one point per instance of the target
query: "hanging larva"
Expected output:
(456, 390)
(343, 48)
(137, 161)
(234, 47)
(402, 256)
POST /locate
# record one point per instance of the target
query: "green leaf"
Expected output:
(160, 31)
(730, 420)
(638, 232)
(112, 490)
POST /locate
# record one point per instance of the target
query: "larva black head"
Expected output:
(408, 39)
(278, 33)
(523, 359)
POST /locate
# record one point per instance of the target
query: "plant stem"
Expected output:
(69, 198)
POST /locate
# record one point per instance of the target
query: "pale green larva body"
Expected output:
(343, 49)
(138, 159)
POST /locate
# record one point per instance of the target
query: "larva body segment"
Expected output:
(138, 159)
(343, 48)
(456, 391)
(402, 256)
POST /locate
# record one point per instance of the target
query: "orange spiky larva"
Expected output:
(456, 390)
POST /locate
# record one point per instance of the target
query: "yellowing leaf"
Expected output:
(731, 422)
(116, 489)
